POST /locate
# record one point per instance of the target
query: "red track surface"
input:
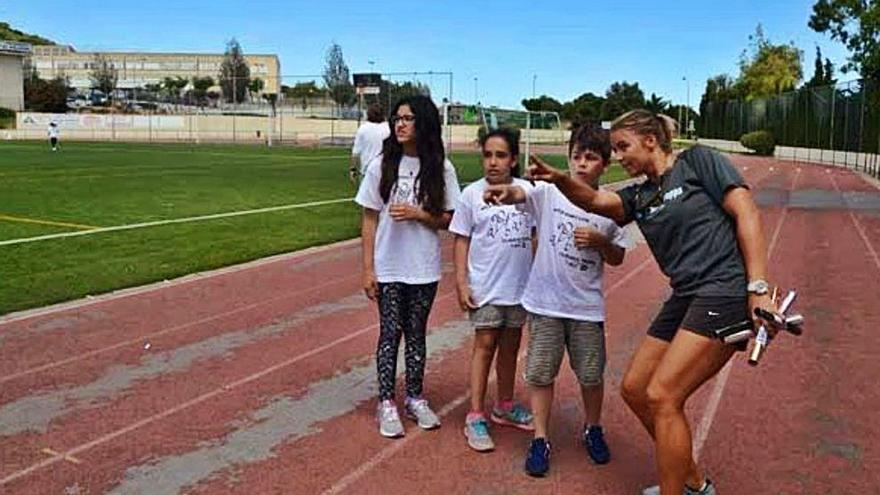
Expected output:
(260, 380)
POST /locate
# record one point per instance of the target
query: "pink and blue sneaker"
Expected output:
(512, 413)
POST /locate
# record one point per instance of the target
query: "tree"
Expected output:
(829, 72)
(337, 77)
(46, 96)
(620, 98)
(720, 88)
(682, 114)
(104, 76)
(153, 88)
(656, 104)
(303, 92)
(11, 34)
(255, 86)
(823, 74)
(856, 24)
(234, 73)
(542, 103)
(173, 86)
(767, 69)
(818, 78)
(586, 108)
(200, 88)
(393, 92)
(272, 99)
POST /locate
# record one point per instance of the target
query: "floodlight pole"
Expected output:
(528, 137)
(687, 109)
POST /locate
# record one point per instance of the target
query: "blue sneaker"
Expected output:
(538, 458)
(594, 442)
(517, 416)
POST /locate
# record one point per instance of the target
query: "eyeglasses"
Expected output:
(406, 119)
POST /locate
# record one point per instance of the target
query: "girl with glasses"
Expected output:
(408, 193)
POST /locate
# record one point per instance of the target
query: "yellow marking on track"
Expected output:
(55, 453)
(47, 222)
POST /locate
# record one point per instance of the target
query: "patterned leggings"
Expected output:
(403, 311)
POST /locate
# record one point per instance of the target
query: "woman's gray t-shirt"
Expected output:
(691, 236)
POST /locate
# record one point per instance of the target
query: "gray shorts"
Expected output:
(549, 338)
(492, 316)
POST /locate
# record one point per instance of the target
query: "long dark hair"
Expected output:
(431, 193)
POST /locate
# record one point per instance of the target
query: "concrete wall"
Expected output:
(219, 128)
(850, 159)
(11, 86)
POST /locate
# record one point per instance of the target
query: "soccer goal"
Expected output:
(539, 131)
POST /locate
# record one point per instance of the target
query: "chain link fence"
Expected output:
(837, 124)
(294, 109)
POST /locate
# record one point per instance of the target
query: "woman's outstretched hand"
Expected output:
(541, 170)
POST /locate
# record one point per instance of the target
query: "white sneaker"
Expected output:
(707, 489)
(419, 411)
(389, 420)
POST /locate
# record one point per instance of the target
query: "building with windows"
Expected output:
(138, 69)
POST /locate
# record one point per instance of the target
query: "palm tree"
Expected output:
(656, 104)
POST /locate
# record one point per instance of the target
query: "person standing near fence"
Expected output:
(54, 134)
(704, 229)
(408, 194)
(368, 141)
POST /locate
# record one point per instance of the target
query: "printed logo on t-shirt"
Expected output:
(404, 192)
(668, 197)
(673, 194)
(511, 227)
(562, 240)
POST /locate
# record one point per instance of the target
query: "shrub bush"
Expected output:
(762, 142)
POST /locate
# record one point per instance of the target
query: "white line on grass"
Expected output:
(173, 221)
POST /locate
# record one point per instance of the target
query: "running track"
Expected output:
(260, 378)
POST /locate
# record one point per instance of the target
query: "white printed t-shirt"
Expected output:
(565, 281)
(500, 253)
(405, 251)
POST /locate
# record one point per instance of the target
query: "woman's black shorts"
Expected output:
(702, 315)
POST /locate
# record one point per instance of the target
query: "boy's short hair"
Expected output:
(375, 113)
(593, 138)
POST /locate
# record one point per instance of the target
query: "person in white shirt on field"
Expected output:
(54, 134)
(368, 141)
(493, 255)
(408, 194)
(564, 293)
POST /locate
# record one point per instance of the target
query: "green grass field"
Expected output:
(89, 185)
